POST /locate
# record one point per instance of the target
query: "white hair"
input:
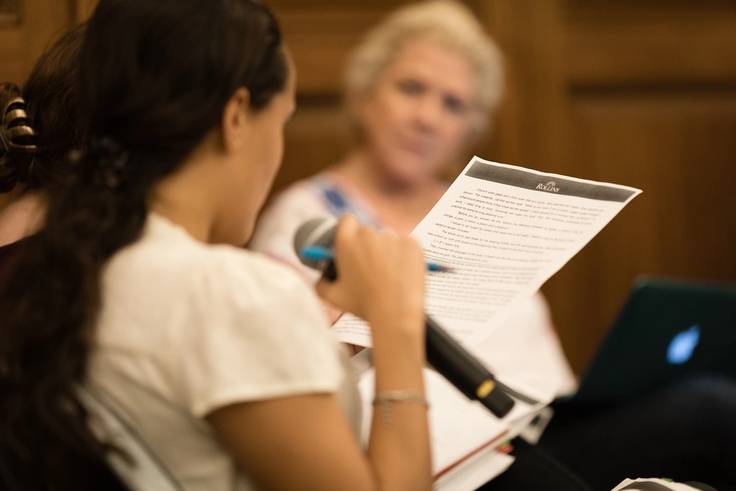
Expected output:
(446, 22)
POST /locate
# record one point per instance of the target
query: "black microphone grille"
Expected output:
(318, 231)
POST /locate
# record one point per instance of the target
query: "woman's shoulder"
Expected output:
(217, 323)
(255, 274)
(167, 262)
(168, 286)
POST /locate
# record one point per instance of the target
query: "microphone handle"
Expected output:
(452, 361)
(330, 271)
(464, 371)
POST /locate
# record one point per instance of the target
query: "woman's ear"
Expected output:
(235, 120)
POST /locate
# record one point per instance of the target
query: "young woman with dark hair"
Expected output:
(40, 124)
(220, 359)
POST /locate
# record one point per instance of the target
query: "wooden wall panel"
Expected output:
(684, 42)
(321, 41)
(679, 148)
(317, 136)
(639, 93)
(23, 41)
(12, 66)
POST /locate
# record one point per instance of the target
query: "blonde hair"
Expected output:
(446, 22)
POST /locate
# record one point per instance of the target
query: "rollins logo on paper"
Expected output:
(551, 186)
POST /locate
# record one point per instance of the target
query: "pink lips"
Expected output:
(421, 149)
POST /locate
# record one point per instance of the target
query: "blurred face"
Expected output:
(256, 161)
(419, 114)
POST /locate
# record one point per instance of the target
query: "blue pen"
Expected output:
(318, 253)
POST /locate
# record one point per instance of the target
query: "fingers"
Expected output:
(378, 271)
(346, 228)
(345, 231)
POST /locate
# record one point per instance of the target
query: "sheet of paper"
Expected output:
(460, 428)
(505, 230)
(475, 472)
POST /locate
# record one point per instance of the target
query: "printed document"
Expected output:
(504, 230)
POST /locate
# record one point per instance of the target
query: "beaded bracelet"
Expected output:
(386, 398)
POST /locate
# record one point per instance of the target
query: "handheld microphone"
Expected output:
(444, 353)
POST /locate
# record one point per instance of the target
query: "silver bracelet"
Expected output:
(386, 398)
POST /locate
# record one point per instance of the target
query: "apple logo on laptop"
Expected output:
(682, 345)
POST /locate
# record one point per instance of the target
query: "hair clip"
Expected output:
(16, 131)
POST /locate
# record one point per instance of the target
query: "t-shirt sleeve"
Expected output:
(254, 331)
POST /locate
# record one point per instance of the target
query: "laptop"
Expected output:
(666, 331)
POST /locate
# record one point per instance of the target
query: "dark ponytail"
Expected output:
(156, 76)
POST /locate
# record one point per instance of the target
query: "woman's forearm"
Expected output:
(399, 440)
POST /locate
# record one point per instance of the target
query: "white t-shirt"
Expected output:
(186, 328)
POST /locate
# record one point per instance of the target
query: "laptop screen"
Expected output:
(666, 331)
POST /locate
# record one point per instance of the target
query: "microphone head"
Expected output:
(318, 231)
